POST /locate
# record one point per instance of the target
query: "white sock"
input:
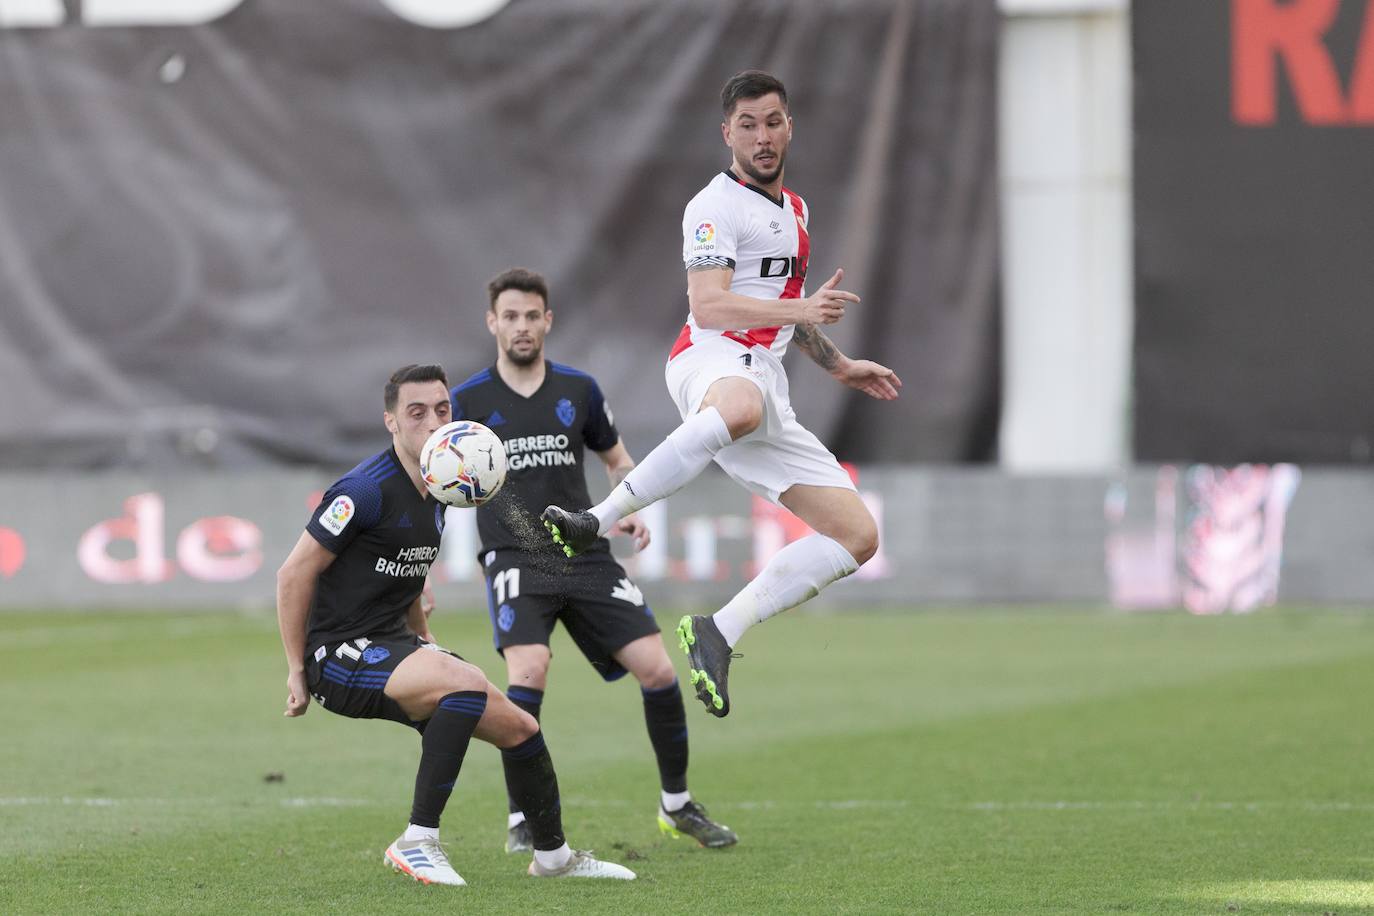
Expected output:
(672, 801)
(553, 858)
(514, 819)
(668, 468)
(416, 832)
(795, 574)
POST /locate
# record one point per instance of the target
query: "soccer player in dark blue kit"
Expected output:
(546, 413)
(356, 639)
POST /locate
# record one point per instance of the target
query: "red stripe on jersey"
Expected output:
(794, 284)
(764, 337)
(684, 340)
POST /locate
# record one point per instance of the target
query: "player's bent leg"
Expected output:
(426, 677)
(733, 407)
(739, 403)
(666, 721)
(838, 514)
(846, 536)
(527, 667)
(452, 696)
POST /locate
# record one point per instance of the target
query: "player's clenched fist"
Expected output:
(826, 305)
(297, 696)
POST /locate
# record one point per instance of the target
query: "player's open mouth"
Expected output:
(765, 159)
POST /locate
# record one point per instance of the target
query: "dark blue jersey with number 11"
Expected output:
(546, 435)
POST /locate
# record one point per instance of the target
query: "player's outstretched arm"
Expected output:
(295, 589)
(714, 306)
(869, 377)
(618, 465)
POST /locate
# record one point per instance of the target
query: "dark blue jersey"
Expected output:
(384, 534)
(545, 436)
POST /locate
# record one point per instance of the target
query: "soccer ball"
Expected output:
(463, 464)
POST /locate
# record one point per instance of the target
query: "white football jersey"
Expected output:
(763, 239)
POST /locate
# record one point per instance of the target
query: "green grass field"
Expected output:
(970, 762)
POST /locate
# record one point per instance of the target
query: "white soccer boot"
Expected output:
(582, 865)
(423, 860)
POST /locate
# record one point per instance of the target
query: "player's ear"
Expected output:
(491, 321)
(390, 422)
(548, 320)
(725, 131)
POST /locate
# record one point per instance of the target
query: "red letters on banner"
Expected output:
(1268, 33)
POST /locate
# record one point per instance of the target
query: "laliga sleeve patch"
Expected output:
(336, 518)
(703, 239)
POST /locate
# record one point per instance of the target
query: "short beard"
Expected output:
(761, 177)
(522, 361)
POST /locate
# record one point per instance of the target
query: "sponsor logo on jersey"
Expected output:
(776, 268)
(566, 412)
(439, 518)
(610, 417)
(375, 654)
(539, 452)
(409, 562)
(495, 419)
(626, 590)
(335, 519)
(404, 521)
(506, 618)
(320, 653)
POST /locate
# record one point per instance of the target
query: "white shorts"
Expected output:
(781, 452)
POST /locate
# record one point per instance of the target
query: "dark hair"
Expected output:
(411, 373)
(518, 278)
(750, 84)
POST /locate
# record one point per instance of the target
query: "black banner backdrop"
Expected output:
(218, 240)
(1254, 209)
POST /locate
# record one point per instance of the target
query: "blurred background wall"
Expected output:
(1102, 243)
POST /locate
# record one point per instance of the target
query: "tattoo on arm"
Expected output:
(816, 345)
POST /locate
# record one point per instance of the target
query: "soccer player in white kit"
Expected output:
(745, 246)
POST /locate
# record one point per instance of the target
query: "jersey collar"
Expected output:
(730, 173)
(496, 374)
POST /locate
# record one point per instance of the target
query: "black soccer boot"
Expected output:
(708, 658)
(692, 820)
(573, 531)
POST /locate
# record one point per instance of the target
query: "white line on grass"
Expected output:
(1292, 805)
(848, 804)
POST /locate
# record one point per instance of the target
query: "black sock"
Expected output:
(666, 721)
(442, 746)
(534, 786)
(530, 700)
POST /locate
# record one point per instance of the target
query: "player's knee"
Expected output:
(863, 541)
(741, 417)
(658, 675)
(523, 727)
(463, 677)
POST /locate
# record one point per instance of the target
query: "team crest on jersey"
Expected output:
(506, 618)
(374, 654)
(566, 412)
(335, 519)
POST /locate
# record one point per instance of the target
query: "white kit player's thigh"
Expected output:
(692, 372)
(769, 466)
